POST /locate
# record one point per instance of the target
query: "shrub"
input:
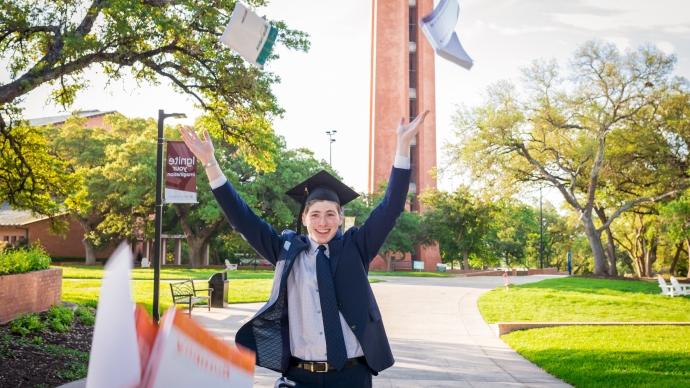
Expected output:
(60, 318)
(23, 260)
(30, 323)
(85, 315)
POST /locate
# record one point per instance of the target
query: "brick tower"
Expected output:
(402, 85)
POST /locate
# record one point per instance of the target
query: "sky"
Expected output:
(327, 88)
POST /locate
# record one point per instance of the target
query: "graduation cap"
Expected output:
(321, 186)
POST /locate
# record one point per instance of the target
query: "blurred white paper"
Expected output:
(439, 29)
(250, 35)
(114, 360)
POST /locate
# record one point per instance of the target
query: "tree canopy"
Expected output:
(608, 136)
(55, 41)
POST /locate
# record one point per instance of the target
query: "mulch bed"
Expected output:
(45, 359)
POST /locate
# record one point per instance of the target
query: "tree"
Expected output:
(458, 221)
(513, 233)
(403, 239)
(55, 42)
(676, 224)
(113, 168)
(559, 133)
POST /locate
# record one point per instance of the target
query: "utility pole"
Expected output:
(541, 231)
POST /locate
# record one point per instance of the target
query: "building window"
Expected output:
(413, 106)
(413, 24)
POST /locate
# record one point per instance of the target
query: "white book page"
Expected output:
(440, 23)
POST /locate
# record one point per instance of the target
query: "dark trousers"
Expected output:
(356, 376)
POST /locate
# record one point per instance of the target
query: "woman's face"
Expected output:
(322, 219)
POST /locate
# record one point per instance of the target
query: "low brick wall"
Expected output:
(29, 292)
(507, 327)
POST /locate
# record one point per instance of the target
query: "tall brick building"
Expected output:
(402, 85)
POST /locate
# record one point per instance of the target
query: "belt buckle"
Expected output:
(314, 367)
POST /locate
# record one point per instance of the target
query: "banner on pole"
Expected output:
(180, 174)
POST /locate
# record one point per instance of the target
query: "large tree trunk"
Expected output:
(597, 247)
(650, 257)
(610, 246)
(196, 248)
(89, 250)
(687, 244)
(676, 256)
(465, 260)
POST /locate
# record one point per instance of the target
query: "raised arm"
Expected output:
(382, 219)
(259, 234)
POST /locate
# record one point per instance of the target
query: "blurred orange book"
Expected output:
(181, 353)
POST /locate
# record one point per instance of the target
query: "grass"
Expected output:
(86, 291)
(576, 299)
(96, 272)
(81, 283)
(591, 356)
(616, 356)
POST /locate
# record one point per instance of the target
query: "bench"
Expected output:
(184, 292)
(230, 267)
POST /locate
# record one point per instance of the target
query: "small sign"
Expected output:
(180, 174)
(418, 265)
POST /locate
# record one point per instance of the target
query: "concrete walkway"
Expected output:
(438, 337)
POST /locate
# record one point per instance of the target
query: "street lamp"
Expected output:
(159, 210)
(331, 140)
(541, 230)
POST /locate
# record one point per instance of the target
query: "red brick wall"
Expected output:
(12, 235)
(30, 292)
(69, 245)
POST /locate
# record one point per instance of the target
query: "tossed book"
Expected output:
(250, 35)
(439, 29)
(130, 350)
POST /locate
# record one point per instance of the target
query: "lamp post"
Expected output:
(541, 231)
(159, 210)
(331, 140)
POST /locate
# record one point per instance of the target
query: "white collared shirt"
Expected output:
(307, 339)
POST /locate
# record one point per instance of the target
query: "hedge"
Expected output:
(23, 260)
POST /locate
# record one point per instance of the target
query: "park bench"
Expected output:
(184, 292)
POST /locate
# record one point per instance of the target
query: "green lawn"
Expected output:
(575, 299)
(167, 273)
(172, 273)
(86, 291)
(617, 356)
(590, 356)
(81, 284)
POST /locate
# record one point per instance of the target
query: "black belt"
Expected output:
(323, 366)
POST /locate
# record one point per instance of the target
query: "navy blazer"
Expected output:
(350, 254)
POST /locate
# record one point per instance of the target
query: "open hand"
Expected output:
(406, 133)
(202, 148)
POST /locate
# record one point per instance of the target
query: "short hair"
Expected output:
(307, 205)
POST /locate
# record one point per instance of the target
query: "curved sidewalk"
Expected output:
(439, 339)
